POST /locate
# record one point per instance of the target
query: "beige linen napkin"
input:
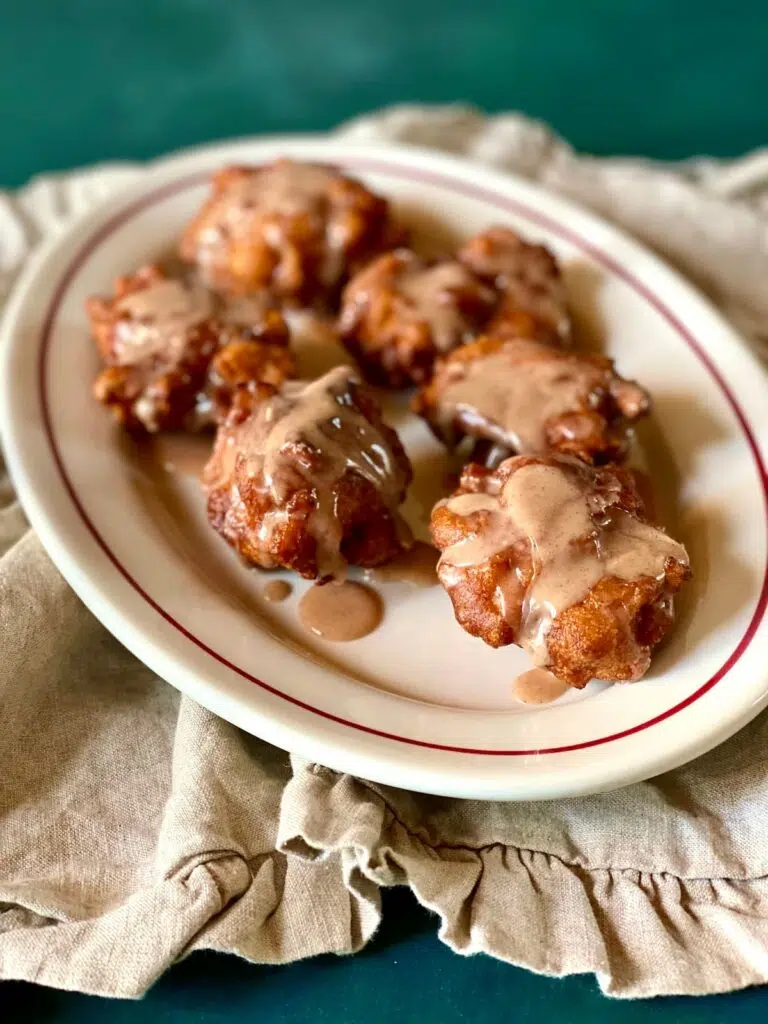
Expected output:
(136, 827)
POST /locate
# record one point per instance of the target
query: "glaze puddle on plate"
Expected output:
(276, 591)
(537, 686)
(342, 611)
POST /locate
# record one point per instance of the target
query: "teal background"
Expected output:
(88, 80)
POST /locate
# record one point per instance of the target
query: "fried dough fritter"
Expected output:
(557, 557)
(311, 480)
(529, 398)
(298, 229)
(175, 356)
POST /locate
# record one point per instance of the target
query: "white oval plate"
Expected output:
(418, 704)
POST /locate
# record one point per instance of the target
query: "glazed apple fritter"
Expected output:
(297, 229)
(558, 557)
(175, 356)
(311, 480)
(528, 398)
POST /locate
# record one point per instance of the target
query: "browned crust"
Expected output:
(528, 279)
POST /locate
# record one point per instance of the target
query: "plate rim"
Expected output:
(149, 189)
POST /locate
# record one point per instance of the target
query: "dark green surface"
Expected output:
(89, 80)
(405, 977)
(86, 80)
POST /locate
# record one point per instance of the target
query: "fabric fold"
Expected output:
(134, 825)
(641, 933)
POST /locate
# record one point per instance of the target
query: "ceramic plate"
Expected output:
(418, 703)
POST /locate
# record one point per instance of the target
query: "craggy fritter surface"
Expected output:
(298, 229)
(272, 530)
(596, 429)
(528, 280)
(190, 377)
(609, 634)
(255, 350)
(396, 323)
